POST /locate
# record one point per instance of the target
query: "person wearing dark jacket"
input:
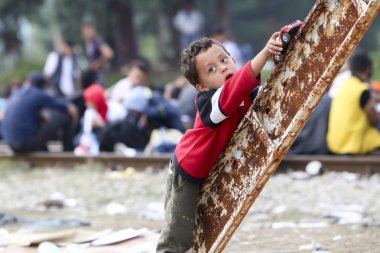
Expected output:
(27, 127)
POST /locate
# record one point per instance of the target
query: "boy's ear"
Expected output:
(201, 87)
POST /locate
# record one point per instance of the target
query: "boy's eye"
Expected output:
(211, 69)
(224, 59)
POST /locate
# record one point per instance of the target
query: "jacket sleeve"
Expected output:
(215, 106)
(52, 102)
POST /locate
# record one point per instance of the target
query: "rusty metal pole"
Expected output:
(327, 37)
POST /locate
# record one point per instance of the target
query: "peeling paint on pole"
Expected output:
(327, 37)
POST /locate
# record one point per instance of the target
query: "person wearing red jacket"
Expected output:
(224, 98)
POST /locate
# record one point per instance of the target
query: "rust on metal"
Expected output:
(327, 37)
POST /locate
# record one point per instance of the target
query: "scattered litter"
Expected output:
(346, 217)
(59, 223)
(350, 176)
(23, 240)
(7, 219)
(119, 236)
(59, 200)
(121, 148)
(141, 248)
(115, 174)
(314, 168)
(73, 239)
(314, 247)
(48, 247)
(4, 234)
(292, 224)
(154, 211)
(114, 208)
(299, 175)
(129, 171)
(279, 209)
(51, 204)
(82, 238)
(337, 238)
(285, 224)
(320, 224)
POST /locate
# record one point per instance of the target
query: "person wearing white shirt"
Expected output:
(62, 69)
(189, 22)
(231, 46)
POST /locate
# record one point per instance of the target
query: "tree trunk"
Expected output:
(222, 17)
(124, 33)
(162, 31)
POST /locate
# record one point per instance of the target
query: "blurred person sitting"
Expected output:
(220, 34)
(100, 111)
(171, 93)
(26, 126)
(131, 130)
(375, 89)
(95, 117)
(163, 123)
(312, 138)
(185, 102)
(97, 50)
(136, 74)
(127, 89)
(9, 89)
(63, 71)
(353, 118)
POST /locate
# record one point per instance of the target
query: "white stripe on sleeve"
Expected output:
(216, 115)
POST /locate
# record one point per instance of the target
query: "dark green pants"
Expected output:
(180, 203)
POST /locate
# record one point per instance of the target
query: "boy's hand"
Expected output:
(274, 45)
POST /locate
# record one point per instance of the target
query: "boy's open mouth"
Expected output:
(228, 76)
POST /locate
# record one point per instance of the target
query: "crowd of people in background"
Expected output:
(94, 119)
(63, 102)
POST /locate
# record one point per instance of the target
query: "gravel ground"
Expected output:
(333, 212)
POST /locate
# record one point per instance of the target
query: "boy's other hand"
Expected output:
(274, 45)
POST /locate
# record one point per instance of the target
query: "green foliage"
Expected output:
(10, 13)
(265, 75)
(250, 22)
(255, 21)
(24, 67)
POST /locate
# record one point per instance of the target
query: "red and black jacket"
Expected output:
(218, 115)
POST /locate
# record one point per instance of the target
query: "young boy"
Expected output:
(223, 99)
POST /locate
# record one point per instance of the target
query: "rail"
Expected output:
(357, 164)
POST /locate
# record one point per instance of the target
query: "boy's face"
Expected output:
(214, 66)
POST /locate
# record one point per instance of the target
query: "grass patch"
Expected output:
(9, 166)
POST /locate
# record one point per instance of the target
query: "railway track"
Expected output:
(359, 164)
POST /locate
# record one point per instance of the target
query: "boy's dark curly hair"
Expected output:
(188, 55)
